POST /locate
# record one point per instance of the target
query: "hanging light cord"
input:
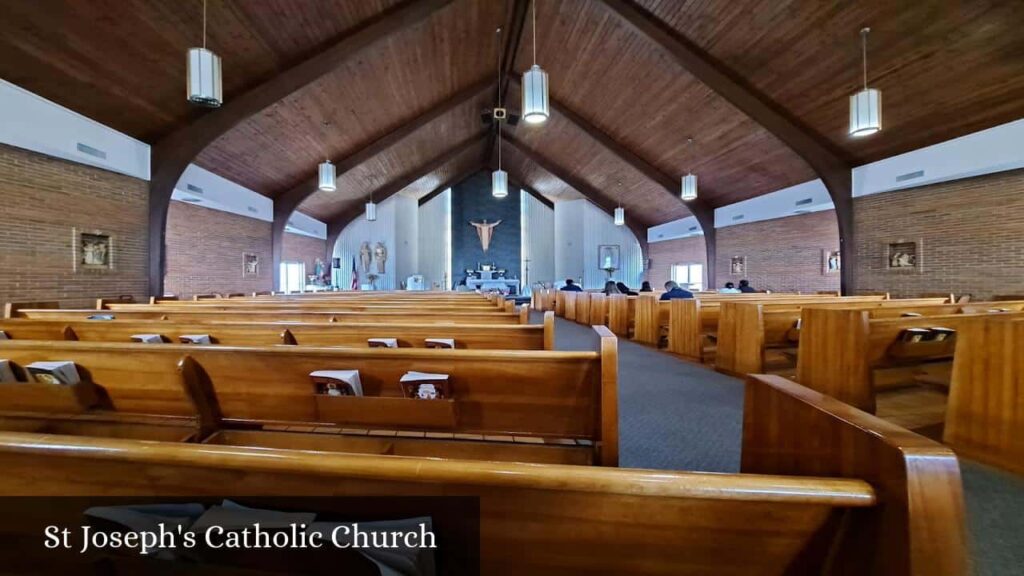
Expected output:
(497, 122)
(534, 4)
(864, 52)
(204, 24)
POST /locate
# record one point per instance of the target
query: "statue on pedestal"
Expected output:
(364, 256)
(380, 253)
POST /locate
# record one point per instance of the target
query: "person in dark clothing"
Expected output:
(745, 287)
(610, 288)
(672, 291)
(623, 289)
(571, 286)
(646, 287)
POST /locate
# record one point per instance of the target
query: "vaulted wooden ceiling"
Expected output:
(946, 69)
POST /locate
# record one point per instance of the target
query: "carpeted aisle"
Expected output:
(676, 415)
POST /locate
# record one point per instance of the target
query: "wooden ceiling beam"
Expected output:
(286, 203)
(700, 208)
(173, 153)
(338, 222)
(513, 37)
(592, 194)
(831, 164)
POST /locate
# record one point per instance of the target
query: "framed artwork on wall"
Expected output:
(738, 265)
(831, 262)
(250, 264)
(93, 251)
(903, 255)
(609, 257)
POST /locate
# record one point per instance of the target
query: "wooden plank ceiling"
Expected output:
(946, 69)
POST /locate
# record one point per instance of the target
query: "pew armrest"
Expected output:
(919, 527)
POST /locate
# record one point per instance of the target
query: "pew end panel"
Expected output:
(549, 330)
(918, 527)
(985, 412)
(686, 332)
(833, 355)
(608, 444)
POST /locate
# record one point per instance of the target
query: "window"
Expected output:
(293, 277)
(689, 276)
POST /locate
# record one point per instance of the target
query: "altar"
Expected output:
(488, 279)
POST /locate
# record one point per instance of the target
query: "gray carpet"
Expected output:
(676, 415)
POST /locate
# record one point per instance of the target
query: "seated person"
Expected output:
(623, 289)
(730, 288)
(745, 287)
(672, 291)
(646, 287)
(571, 286)
(610, 288)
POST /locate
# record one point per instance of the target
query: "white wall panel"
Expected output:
(406, 238)
(434, 229)
(569, 240)
(598, 229)
(538, 239)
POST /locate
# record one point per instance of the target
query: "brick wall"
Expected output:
(679, 251)
(42, 199)
(298, 248)
(783, 255)
(971, 233)
(204, 251)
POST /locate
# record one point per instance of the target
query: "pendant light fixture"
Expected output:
(689, 183)
(328, 177)
(499, 178)
(620, 212)
(371, 209)
(866, 105)
(535, 85)
(204, 74)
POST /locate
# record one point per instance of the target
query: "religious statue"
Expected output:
(364, 256)
(485, 231)
(380, 253)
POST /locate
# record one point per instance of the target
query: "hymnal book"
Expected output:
(383, 342)
(59, 372)
(940, 333)
(424, 385)
(914, 334)
(148, 338)
(7, 372)
(195, 339)
(101, 317)
(4, 336)
(440, 342)
(910, 315)
(337, 382)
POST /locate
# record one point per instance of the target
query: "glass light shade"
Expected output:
(620, 216)
(865, 112)
(499, 184)
(327, 180)
(204, 78)
(371, 211)
(535, 95)
(689, 191)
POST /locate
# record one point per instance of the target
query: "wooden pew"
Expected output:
(583, 307)
(598, 309)
(693, 321)
(985, 412)
(569, 305)
(300, 315)
(841, 348)
(621, 310)
(746, 331)
(544, 394)
(468, 336)
(324, 305)
(861, 497)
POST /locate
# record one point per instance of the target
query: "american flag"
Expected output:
(355, 275)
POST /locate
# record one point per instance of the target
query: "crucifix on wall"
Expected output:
(485, 231)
